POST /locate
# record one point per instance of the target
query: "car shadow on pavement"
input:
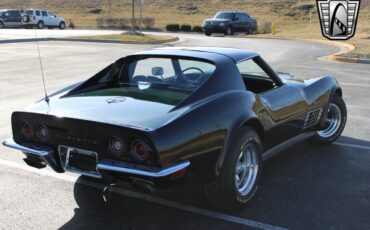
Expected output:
(305, 187)
(124, 212)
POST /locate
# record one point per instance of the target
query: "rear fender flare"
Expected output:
(249, 119)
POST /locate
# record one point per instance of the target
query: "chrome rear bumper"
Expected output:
(44, 154)
(48, 155)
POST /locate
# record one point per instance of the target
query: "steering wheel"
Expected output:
(190, 81)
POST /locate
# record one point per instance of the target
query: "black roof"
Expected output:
(211, 53)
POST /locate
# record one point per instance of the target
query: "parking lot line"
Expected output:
(357, 107)
(352, 145)
(355, 85)
(335, 69)
(152, 199)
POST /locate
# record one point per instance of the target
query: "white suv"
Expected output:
(41, 19)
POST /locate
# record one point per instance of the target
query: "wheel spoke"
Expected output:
(333, 121)
(238, 168)
(246, 169)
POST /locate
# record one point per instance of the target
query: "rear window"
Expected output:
(164, 80)
(169, 73)
(29, 12)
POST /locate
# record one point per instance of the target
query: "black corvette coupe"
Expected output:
(166, 116)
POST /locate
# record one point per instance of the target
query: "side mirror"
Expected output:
(157, 71)
(286, 76)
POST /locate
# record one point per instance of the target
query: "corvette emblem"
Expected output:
(338, 18)
(115, 100)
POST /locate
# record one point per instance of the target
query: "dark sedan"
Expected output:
(228, 22)
(167, 116)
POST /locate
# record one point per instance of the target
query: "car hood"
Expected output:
(116, 110)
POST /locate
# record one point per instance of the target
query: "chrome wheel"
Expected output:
(229, 31)
(62, 26)
(333, 119)
(246, 169)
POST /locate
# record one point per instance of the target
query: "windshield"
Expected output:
(225, 15)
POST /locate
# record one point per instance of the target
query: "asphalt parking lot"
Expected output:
(306, 187)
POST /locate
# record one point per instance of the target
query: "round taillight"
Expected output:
(26, 129)
(117, 146)
(43, 132)
(140, 150)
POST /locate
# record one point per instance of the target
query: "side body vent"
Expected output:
(312, 118)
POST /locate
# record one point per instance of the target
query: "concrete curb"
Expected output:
(347, 59)
(344, 48)
(88, 40)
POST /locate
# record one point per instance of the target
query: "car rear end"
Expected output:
(93, 149)
(29, 18)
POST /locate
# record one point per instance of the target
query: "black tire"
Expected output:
(2, 25)
(208, 33)
(62, 25)
(40, 25)
(223, 192)
(229, 30)
(338, 104)
(50, 27)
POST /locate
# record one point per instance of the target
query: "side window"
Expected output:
(14, 14)
(251, 68)
(257, 77)
(44, 13)
(37, 13)
(243, 17)
(7, 15)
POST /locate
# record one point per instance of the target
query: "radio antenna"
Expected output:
(41, 66)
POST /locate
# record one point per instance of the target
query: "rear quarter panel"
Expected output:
(202, 134)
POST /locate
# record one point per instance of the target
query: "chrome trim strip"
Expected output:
(12, 144)
(108, 166)
(45, 155)
(288, 143)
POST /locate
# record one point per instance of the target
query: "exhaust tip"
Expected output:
(35, 162)
(144, 184)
